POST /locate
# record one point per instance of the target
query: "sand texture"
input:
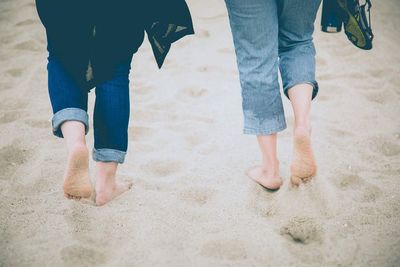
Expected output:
(191, 203)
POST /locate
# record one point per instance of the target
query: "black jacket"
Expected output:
(90, 37)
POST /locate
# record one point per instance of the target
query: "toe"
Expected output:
(295, 180)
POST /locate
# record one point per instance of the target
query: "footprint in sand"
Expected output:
(375, 72)
(190, 122)
(161, 106)
(28, 46)
(30, 4)
(224, 250)
(12, 103)
(333, 76)
(202, 119)
(140, 132)
(202, 33)
(146, 185)
(226, 50)
(364, 192)
(26, 22)
(196, 195)
(76, 255)
(144, 147)
(203, 69)
(195, 92)
(326, 77)
(208, 149)
(370, 193)
(40, 124)
(10, 116)
(217, 70)
(348, 181)
(42, 185)
(380, 97)
(4, 86)
(183, 43)
(149, 116)
(323, 98)
(8, 39)
(262, 201)
(179, 127)
(340, 132)
(26, 212)
(17, 72)
(388, 148)
(302, 230)
(4, 11)
(11, 157)
(142, 90)
(193, 141)
(321, 62)
(162, 168)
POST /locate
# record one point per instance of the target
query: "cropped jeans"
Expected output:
(272, 36)
(111, 111)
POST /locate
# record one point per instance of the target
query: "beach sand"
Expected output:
(191, 203)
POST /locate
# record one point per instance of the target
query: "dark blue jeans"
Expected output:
(111, 111)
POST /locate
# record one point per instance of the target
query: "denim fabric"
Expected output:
(108, 155)
(69, 114)
(111, 112)
(272, 36)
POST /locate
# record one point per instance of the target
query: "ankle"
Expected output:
(302, 122)
(106, 172)
(302, 128)
(105, 183)
(80, 146)
(107, 176)
(271, 166)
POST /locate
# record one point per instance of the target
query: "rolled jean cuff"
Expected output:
(69, 114)
(108, 155)
(314, 84)
(278, 125)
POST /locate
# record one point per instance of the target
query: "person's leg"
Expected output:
(254, 25)
(304, 166)
(70, 121)
(267, 174)
(297, 66)
(76, 180)
(111, 119)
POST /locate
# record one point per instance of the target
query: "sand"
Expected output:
(191, 203)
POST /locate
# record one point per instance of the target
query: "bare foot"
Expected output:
(107, 188)
(76, 179)
(303, 166)
(106, 193)
(267, 180)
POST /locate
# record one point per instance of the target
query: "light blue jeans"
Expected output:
(272, 36)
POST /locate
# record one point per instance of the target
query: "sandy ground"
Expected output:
(191, 204)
